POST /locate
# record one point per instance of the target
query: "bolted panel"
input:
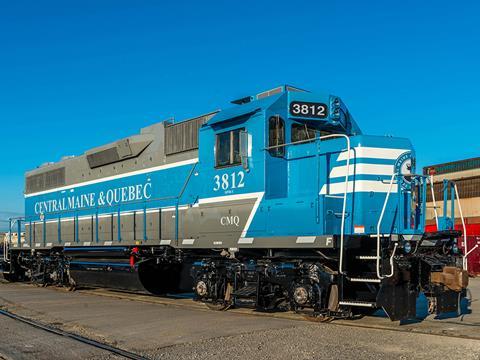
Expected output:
(67, 231)
(105, 228)
(126, 225)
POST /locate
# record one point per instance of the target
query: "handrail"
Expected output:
(88, 209)
(470, 251)
(5, 250)
(433, 200)
(118, 206)
(187, 180)
(465, 246)
(9, 241)
(106, 206)
(296, 142)
(347, 175)
(344, 208)
(379, 275)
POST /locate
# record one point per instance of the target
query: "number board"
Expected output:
(308, 109)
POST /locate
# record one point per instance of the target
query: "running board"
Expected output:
(357, 303)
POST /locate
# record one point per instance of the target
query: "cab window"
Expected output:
(228, 148)
(276, 136)
(301, 132)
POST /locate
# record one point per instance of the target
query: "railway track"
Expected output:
(447, 328)
(99, 345)
(429, 327)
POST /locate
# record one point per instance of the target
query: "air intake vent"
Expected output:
(271, 92)
(45, 181)
(103, 157)
(278, 90)
(124, 149)
(184, 135)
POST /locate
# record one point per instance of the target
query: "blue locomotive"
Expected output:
(279, 201)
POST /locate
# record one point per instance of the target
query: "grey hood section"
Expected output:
(118, 151)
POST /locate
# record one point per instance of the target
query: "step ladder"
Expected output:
(362, 278)
(378, 276)
(365, 279)
(369, 278)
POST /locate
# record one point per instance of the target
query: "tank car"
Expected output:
(278, 202)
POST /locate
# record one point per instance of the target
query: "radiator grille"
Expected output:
(45, 181)
(271, 92)
(184, 136)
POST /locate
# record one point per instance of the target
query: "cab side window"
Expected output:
(301, 132)
(276, 136)
(227, 148)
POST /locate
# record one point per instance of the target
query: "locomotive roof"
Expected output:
(243, 106)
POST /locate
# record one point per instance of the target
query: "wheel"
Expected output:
(9, 277)
(222, 304)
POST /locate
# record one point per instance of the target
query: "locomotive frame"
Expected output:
(329, 222)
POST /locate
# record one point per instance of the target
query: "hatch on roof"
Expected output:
(267, 93)
(247, 109)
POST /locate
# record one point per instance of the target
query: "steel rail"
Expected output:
(166, 301)
(126, 354)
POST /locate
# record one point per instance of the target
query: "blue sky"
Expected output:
(77, 74)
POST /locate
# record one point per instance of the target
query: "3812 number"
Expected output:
(231, 181)
(308, 109)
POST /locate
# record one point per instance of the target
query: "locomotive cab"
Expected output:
(329, 188)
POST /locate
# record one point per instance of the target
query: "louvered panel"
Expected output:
(184, 135)
(45, 181)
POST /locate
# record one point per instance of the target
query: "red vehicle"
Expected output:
(473, 239)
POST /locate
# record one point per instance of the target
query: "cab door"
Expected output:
(231, 188)
(276, 164)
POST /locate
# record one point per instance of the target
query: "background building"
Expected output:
(466, 174)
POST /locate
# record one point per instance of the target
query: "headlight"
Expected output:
(455, 249)
(407, 247)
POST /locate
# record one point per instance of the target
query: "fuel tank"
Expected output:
(117, 268)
